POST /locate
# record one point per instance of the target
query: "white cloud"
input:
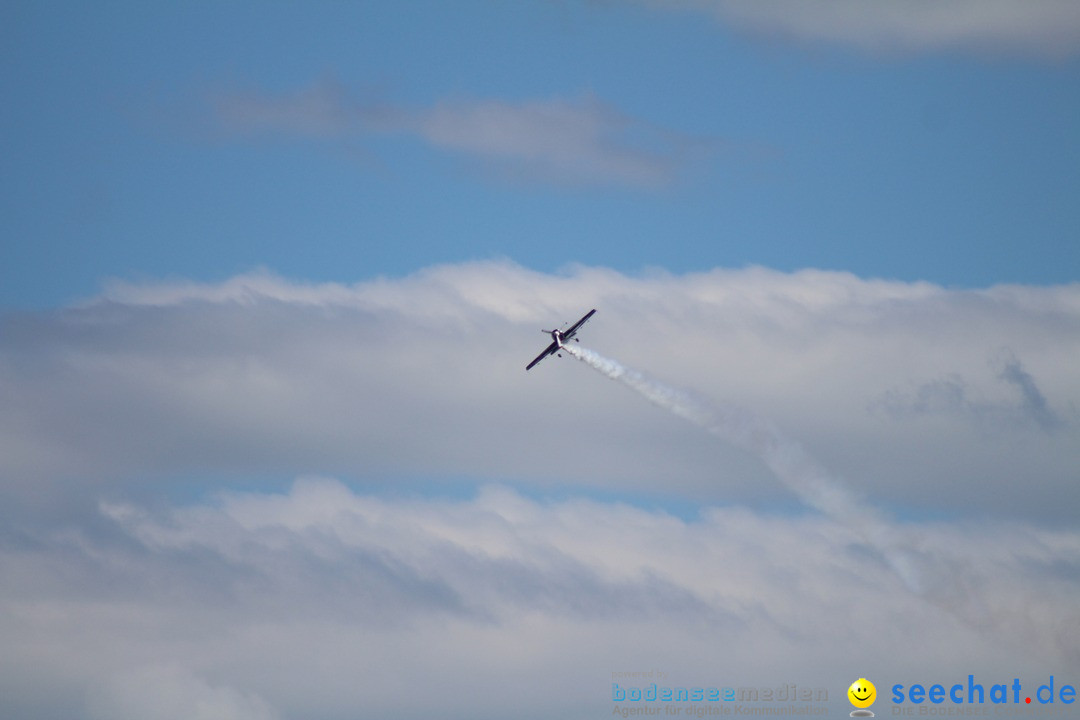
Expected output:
(584, 142)
(324, 603)
(560, 141)
(1043, 28)
(951, 395)
(424, 377)
(390, 595)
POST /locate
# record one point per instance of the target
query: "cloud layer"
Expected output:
(322, 603)
(1047, 28)
(922, 397)
(582, 142)
(468, 539)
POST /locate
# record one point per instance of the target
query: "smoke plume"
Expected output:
(787, 459)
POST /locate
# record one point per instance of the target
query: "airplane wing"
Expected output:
(574, 328)
(550, 349)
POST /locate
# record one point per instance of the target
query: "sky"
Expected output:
(270, 274)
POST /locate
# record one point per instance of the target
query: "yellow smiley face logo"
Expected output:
(862, 693)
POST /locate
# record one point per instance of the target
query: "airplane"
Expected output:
(559, 338)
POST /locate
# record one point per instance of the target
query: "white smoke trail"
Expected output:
(785, 457)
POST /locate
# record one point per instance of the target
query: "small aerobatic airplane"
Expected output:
(559, 338)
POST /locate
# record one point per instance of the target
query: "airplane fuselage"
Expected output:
(559, 338)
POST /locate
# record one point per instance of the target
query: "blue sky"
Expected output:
(270, 275)
(953, 164)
